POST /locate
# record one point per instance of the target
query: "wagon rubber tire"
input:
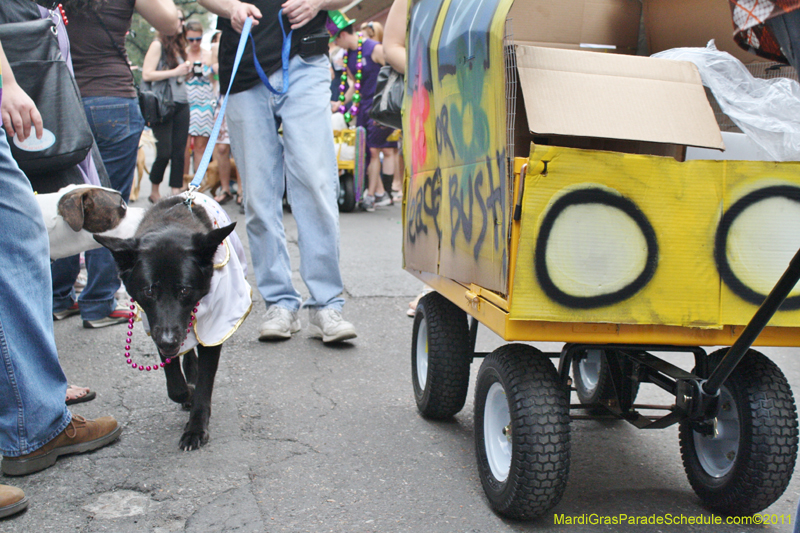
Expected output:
(592, 379)
(440, 357)
(526, 477)
(347, 194)
(753, 473)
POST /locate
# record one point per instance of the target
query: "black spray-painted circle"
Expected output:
(603, 197)
(737, 286)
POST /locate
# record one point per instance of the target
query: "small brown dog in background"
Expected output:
(211, 179)
(147, 145)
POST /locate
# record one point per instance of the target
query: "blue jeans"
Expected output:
(117, 125)
(307, 154)
(32, 385)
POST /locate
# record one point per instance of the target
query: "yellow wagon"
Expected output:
(547, 197)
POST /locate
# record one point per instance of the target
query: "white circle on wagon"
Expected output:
(595, 249)
(761, 242)
(32, 144)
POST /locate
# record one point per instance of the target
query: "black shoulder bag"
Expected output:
(387, 104)
(155, 98)
(35, 58)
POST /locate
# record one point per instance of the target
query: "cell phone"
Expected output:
(197, 68)
(314, 44)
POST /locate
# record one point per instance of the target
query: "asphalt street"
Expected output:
(311, 438)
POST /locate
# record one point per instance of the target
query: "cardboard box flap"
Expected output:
(570, 23)
(592, 94)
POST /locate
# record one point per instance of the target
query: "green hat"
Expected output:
(336, 22)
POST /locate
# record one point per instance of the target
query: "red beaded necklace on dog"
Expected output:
(349, 115)
(128, 358)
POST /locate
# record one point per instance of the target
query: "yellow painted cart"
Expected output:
(548, 198)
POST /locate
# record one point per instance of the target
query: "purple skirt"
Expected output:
(377, 134)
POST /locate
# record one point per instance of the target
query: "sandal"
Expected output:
(224, 198)
(77, 394)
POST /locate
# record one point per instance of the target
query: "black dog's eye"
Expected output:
(148, 292)
(185, 291)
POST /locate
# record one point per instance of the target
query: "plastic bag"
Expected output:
(767, 111)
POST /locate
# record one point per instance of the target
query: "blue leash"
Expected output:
(212, 140)
(287, 47)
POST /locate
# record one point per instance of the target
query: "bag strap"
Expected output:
(117, 47)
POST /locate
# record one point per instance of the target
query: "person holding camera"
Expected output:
(301, 161)
(200, 91)
(166, 60)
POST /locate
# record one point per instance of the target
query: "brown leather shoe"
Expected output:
(81, 435)
(12, 500)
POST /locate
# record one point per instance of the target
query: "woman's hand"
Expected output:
(183, 69)
(20, 113)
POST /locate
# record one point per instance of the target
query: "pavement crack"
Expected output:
(318, 392)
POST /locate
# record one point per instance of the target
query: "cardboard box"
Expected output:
(572, 23)
(692, 23)
(575, 94)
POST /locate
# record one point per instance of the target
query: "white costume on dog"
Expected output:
(225, 307)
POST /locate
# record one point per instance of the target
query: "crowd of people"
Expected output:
(33, 387)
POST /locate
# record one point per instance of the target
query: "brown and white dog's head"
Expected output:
(77, 212)
(94, 209)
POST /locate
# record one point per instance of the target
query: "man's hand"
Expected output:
(19, 113)
(300, 12)
(240, 14)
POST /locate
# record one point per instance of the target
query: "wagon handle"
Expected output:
(759, 321)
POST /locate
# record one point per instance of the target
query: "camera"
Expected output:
(197, 68)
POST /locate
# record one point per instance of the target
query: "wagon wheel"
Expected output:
(440, 357)
(593, 380)
(521, 431)
(748, 464)
(347, 194)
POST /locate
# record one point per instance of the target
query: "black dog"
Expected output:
(167, 268)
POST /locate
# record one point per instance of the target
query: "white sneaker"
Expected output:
(383, 200)
(368, 203)
(329, 325)
(280, 324)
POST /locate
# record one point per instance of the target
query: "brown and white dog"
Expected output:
(77, 212)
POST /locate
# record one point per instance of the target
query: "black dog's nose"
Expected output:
(168, 340)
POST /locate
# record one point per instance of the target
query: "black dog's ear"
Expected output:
(70, 207)
(206, 244)
(124, 251)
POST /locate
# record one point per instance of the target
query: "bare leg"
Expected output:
(187, 157)
(399, 168)
(374, 173)
(200, 144)
(389, 159)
